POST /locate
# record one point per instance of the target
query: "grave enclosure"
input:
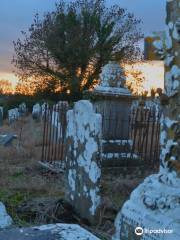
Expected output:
(130, 132)
(104, 134)
(90, 140)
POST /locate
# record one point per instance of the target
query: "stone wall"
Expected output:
(83, 161)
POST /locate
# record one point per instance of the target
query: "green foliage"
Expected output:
(68, 47)
(12, 201)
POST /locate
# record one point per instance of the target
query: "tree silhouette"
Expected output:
(69, 46)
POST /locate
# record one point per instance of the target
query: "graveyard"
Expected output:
(83, 154)
(31, 192)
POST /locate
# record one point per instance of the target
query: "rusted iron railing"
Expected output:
(54, 136)
(145, 133)
(129, 140)
(134, 139)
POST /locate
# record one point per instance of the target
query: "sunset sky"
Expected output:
(17, 15)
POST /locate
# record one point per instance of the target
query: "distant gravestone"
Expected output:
(22, 109)
(83, 161)
(6, 140)
(36, 112)
(58, 119)
(1, 116)
(13, 115)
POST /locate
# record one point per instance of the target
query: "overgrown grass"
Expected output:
(21, 177)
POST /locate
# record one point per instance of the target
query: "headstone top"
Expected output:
(36, 113)
(83, 162)
(22, 109)
(112, 81)
(112, 75)
(13, 114)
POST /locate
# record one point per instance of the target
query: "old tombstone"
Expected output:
(1, 116)
(154, 206)
(58, 231)
(59, 118)
(22, 109)
(36, 112)
(13, 115)
(5, 219)
(44, 109)
(113, 101)
(7, 139)
(83, 161)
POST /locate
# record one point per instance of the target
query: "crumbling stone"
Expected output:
(84, 159)
(5, 219)
(154, 205)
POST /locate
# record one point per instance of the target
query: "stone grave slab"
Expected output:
(48, 232)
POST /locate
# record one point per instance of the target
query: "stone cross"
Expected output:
(83, 161)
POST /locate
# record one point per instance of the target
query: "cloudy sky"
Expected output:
(17, 15)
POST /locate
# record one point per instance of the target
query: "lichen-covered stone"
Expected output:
(112, 75)
(155, 204)
(83, 159)
(1, 116)
(48, 232)
(5, 219)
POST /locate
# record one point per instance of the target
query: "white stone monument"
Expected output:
(154, 206)
(113, 100)
(22, 109)
(13, 115)
(1, 116)
(36, 112)
(5, 219)
(83, 163)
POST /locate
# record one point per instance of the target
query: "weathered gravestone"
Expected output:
(58, 119)
(48, 232)
(13, 115)
(5, 219)
(113, 101)
(154, 206)
(36, 112)
(1, 116)
(83, 161)
(7, 139)
(22, 109)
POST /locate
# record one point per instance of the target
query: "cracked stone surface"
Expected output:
(48, 232)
